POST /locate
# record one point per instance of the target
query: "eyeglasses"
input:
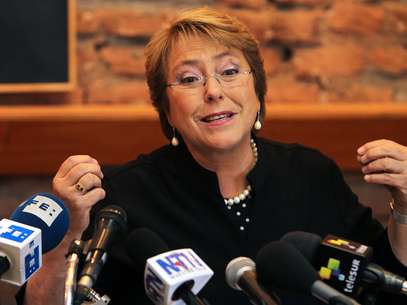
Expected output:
(225, 80)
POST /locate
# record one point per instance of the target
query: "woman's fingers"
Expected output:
(72, 161)
(384, 164)
(78, 182)
(381, 149)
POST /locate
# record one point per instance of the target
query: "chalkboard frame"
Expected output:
(63, 86)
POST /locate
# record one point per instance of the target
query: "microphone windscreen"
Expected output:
(46, 212)
(281, 265)
(142, 244)
(305, 242)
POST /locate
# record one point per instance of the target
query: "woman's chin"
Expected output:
(225, 142)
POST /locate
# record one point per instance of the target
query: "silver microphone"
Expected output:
(241, 275)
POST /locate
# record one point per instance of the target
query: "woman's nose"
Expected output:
(213, 89)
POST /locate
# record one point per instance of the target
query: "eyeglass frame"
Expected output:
(205, 78)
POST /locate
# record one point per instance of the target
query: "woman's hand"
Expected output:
(78, 182)
(385, 162)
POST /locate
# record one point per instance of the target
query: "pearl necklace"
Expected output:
(246, 192)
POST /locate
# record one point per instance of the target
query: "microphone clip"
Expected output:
(96, 299)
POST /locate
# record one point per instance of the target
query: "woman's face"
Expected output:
(210, 116)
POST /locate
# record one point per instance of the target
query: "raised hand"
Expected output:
(385, 162)
(78, 182)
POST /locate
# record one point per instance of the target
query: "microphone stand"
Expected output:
(256, 294)
(72, 261)
(95, 298)
(190, 298)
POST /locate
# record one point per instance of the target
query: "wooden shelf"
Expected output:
(36, 139)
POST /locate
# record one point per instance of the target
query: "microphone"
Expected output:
(345, 264)
(241, 275)
(173, 277)
(72, 261)
(111, 221)
(36, 226)
(280, 264)
(44, 211)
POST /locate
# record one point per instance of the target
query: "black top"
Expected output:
(293, 188)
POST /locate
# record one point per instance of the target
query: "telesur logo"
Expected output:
(332, 269)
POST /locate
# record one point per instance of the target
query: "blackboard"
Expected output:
(35, 44)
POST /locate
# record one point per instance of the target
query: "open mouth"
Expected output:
(217, 117)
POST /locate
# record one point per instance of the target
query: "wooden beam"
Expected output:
(36, 139)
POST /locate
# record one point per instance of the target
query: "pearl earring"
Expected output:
(257, 124)
(174, 140)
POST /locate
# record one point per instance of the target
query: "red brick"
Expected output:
(349, 17)
(392, 60)
(272, 60)
(398, 16)
(287, 90)
(125, 61)
(89, 66)
(257, 22)
(296, 26)
(253, 4)
(118, 92)
(303, 2)
(127, 22)
(332, 60)
(88, 22)
(86, 54)
(359, 93)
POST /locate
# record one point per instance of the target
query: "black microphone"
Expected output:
(241, 275)
(281, 265)
(143, 246)
(345, 264)
(111, 221)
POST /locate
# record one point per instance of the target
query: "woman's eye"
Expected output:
(189, 79)
(231, 71)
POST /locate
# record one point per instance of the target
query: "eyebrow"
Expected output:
(195, 61)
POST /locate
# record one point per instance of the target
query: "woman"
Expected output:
(219, 189)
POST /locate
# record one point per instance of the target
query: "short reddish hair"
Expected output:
(208, 23)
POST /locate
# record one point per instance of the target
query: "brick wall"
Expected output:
(315, 51)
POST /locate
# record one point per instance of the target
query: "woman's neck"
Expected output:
(231, 166)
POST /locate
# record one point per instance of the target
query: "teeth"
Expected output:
(215, 117)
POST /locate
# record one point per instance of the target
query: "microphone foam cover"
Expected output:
(281, 265)
(235, 269)
(305, 242)
(142, 243)
(46, 212)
